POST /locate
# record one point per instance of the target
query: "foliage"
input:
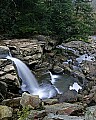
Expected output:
(24, 113)
(83, 20)
(7, 15)
(66, 19)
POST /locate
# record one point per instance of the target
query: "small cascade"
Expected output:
(29, 82)
(85, 57)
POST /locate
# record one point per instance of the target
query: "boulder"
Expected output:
(5, 112)
(50, 101)
(69, 96)
(58, 69)
(9, 68)
(30, 100)
(63, 108)
(9, 77)
(4, 51)
(15, 102)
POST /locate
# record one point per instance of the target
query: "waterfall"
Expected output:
(29, 82)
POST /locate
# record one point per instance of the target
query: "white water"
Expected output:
(53, 77)
(29, 82)
(75, 87)
(68, 48)
(85, 57)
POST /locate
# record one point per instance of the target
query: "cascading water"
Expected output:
(29, 82)
(25, 74)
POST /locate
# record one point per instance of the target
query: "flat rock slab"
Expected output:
(62, 117)
(63, 108)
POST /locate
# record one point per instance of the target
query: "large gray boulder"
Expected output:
(4, 51)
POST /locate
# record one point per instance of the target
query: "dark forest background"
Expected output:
(64, 19)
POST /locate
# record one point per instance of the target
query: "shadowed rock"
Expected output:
(4, 51)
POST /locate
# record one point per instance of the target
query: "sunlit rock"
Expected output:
(5, 112)
(1, 73)
(30, 100)
(9, 77)
(9, 68)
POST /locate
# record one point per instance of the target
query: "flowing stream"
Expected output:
(29, 82)
(58, 83)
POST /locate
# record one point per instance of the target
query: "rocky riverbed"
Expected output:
(75, 59)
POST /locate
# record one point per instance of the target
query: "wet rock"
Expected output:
(58, 69)
(5, 112)
(67, 69)
(69, 96)
(63, 108)
(50, 101)
(79, 75)
(4, 51)
(30, 100)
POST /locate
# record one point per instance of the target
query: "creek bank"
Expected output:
(42, 54)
